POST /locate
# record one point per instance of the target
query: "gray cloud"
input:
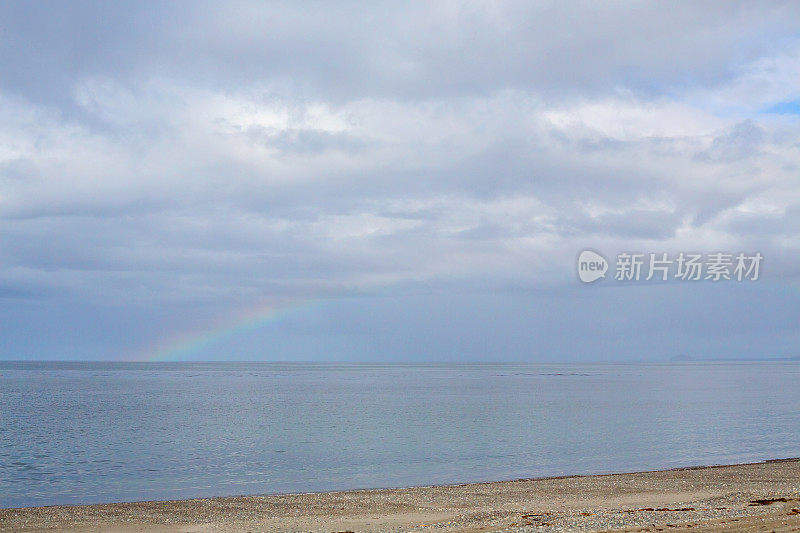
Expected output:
(408, 50)
(214, 155)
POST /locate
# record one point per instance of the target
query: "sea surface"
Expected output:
(103, 432)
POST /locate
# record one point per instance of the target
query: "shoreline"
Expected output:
(410, 487)
(699, 498)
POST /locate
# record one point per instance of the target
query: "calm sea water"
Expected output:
(102, 432)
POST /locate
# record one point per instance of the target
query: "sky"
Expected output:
(395, 181)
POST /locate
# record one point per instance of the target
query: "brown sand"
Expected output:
(752, 497)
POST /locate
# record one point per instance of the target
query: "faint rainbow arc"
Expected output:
(183, 346)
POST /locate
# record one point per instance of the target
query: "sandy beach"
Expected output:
(749, 497)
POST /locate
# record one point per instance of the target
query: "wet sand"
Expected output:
(752, 497)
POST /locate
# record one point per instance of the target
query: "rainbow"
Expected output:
(183, 346)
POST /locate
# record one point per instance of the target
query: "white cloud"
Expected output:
(496, 166)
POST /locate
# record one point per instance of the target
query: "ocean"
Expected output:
(73, 433)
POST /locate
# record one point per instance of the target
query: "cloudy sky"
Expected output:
(386, 181)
